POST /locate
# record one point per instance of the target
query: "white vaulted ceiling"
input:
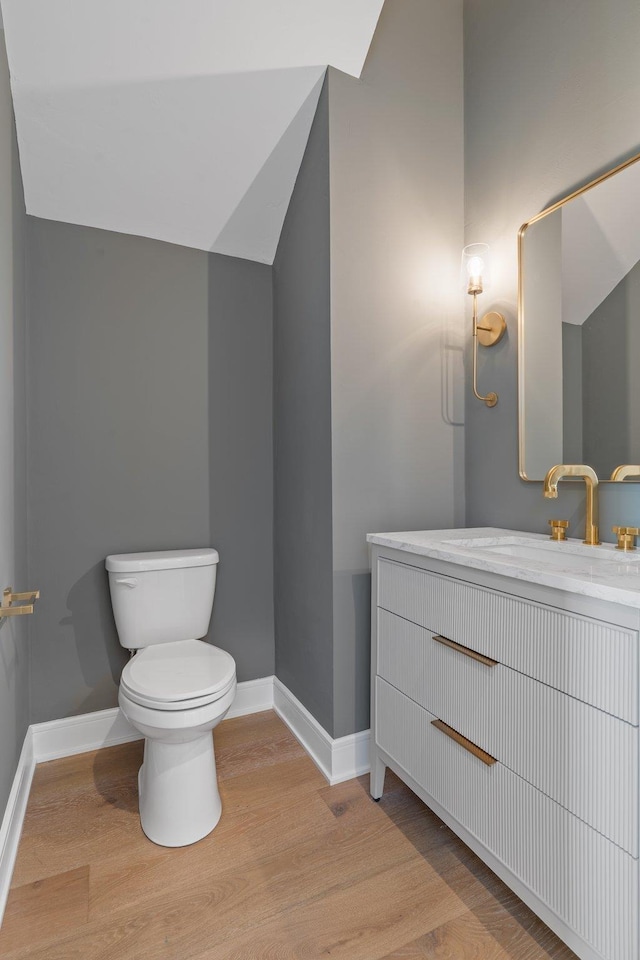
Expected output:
(600, 242)
(182, 120)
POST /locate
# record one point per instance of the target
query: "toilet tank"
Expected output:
(162, 596)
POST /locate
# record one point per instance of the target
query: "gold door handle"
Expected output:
(467, 651)
(8, 597)
(626, 537)
(559, 529)
(468, 745)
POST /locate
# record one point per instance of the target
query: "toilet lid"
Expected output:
(184, 670)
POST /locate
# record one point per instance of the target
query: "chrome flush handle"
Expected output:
(130, 582)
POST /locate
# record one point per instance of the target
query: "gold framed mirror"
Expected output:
(579, 328)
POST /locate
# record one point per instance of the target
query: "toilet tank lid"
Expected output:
(161, 560)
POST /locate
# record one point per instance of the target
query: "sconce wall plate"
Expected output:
(491, 329)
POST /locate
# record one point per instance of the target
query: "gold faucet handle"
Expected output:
(559, 529)
(626, 537)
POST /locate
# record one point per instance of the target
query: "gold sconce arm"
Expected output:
(9, 597)
(489, 332)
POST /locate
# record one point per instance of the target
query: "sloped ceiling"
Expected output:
(181, 120)
(600, 242)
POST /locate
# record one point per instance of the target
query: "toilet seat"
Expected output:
(180, 675)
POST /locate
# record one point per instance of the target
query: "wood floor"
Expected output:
(295, 870)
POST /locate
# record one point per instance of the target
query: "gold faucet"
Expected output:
(590, 477)
(626, 470)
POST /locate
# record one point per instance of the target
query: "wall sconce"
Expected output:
(491, 328)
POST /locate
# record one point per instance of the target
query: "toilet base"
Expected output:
(178, 791)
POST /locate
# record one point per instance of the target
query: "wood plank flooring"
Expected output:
(295, 870)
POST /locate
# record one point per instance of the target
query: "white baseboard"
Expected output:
(106, 728)
(337, 760)
(252, 696)
(13, 819)
(88, 731)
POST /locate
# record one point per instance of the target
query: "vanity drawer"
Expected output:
(589, 882)
(588, 659)
(523, 723)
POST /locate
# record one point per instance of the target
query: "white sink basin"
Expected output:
(566, 555)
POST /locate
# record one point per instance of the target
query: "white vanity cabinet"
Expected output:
(511, 709)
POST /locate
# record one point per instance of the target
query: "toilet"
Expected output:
(175, 688)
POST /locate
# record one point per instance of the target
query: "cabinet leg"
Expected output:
(376, 781)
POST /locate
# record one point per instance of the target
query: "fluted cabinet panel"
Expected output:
(583, 758)
(591, 660)
(587, 881)
(556, 705)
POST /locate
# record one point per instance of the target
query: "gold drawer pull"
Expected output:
(480, 657)
(467, 744)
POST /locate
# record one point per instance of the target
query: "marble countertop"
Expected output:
(607, 574)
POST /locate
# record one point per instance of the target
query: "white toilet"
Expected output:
(175, 689)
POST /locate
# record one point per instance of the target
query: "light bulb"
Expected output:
(475, 268)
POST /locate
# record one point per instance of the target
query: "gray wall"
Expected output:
(542, 290)
(607, 394)
(551, 99)
(396, 139)
(611, 391)
(368, 432)
(572, 389)
(302, 435)
(14, 655)
(241, 460)
(131, 449)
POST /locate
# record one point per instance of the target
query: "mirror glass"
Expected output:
(579, 316)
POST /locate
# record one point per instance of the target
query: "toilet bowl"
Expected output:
(175, 689)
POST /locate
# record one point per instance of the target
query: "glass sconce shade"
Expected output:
(474, 270)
